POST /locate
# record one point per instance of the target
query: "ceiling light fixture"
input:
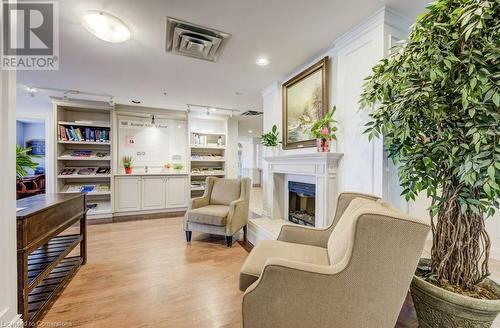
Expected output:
(106, 26)
(250, 131)
(212, 109)
(262, 61)
(31, 91)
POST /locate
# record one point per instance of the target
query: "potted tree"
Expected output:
(270, 139)
(438, 100)
(324, 131)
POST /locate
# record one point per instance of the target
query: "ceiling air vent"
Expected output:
(195, 41)
(251, 113)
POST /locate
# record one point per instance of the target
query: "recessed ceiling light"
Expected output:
(262, 61)
(135, 101)
(250, 131)
(106, 26)
(212, 109)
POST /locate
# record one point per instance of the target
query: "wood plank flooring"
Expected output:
(143, 274)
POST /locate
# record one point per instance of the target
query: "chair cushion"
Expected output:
(339, 243)
(210, 214)
(254, 264)
(225, 191)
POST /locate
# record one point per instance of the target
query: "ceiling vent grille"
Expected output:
(251, 113)
(195, 41)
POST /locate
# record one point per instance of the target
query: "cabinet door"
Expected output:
(128, 194)
(153, 193)
(177, 190)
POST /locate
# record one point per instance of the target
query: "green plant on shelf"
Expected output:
(178, 166)
(325, 128)
(270, 139)
(127, 161)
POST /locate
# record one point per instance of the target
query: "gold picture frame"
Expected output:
(305, 100)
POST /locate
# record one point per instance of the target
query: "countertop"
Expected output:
(152, 172)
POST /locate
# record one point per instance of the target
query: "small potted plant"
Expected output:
(270, 139)
(324, 131)
(178, 167)
(127, 164)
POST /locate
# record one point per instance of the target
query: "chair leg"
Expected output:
(229, 241)
(188, 236)
(245, 232)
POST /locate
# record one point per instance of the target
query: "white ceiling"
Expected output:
(289, 32)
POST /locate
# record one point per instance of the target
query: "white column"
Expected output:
(8, 264)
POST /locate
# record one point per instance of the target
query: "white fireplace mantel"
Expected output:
(322, 168)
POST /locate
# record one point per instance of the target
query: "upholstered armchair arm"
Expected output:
(294, 294)
(199, 202)
(304, 235)
(238, 216)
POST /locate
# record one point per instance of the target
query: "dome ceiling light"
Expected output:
(106, 26)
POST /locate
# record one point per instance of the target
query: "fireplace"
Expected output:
(302, 203)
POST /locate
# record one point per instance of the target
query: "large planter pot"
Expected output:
(437, 307)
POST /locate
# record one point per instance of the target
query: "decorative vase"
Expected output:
(437, 307)
(323, 145)
(128, 170)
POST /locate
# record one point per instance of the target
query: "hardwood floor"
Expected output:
(142, 274)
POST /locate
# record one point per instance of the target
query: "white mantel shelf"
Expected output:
(318, 168)
(304, 157)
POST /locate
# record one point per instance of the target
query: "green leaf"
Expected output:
(496, 99)
(491, 171)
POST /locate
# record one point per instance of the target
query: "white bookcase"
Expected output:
(84, 134)
(207, 139)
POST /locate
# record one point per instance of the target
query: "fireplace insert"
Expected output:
(301, 203)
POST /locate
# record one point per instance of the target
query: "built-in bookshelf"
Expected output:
(207, 140)
(84, 154)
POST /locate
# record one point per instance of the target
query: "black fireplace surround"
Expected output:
(301, 203)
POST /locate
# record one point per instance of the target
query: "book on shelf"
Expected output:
(103, 170)
(86, 171)
(72, 133)
(85, 154)
(87, 188)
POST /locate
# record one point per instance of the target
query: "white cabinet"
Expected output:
(128, 194)
(153, 193)
(176, 191)
(150, 193)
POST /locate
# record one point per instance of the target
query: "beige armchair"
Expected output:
(356, 273)
(222, 210)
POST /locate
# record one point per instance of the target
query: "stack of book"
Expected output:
(71, 133)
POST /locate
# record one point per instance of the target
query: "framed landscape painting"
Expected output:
(305, 100)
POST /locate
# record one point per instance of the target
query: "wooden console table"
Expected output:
(44, 262)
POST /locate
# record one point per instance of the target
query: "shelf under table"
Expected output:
(44, 293)
(45, 258)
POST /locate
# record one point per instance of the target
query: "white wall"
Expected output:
(8, 264)
(232, 148)
(40, 108)
(351, 59)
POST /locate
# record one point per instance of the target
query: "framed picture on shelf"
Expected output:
(305, 100)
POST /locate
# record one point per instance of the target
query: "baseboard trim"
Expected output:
(123, 217)
(147, 216)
